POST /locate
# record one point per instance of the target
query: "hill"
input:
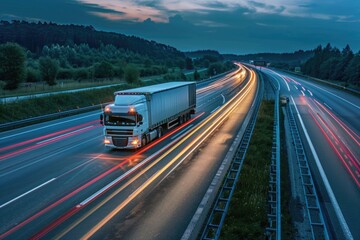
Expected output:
(34, 36)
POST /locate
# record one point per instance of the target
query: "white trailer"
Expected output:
(140, 115)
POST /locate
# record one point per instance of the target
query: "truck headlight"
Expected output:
(134, 140)
(107, 140)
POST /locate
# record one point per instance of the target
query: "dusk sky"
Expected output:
(229, 26)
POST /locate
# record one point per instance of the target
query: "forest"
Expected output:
(34, 52)
(329, 63)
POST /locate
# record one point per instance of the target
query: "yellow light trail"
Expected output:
(194, 145)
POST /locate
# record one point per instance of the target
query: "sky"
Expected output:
(228, 26)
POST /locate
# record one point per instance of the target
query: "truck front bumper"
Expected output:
(119, 142)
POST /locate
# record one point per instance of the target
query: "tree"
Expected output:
(104, 70)
(196, 75)
(215, 68)
(352, 71)
(12, 64)
(131, 74)
(189, 63)
(49, 69)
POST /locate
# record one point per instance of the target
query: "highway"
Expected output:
(60, 181)
(330, 126)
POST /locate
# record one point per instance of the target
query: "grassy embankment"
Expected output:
(247, 215)
(62, 102)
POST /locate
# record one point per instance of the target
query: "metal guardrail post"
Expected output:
(273, 231)
(313, 209)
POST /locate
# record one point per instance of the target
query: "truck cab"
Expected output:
(125, 122)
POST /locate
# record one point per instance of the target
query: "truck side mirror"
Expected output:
(101, 119)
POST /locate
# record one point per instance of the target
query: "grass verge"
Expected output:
(40, 106)
(247, 215)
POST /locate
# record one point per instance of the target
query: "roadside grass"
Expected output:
(40, 106)
(247, 215)
(28, 88)
(62, 85)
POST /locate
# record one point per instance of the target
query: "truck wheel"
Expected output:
(143, 141)
(159, 132)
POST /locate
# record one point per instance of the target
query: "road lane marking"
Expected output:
(310, 92)
(26, 193)
(302, 93)
(181, 132)
(358, 107)
(330, 192)
(215, 109)
(223, 99)
(328, 106)
(282, 77)
(47, 126)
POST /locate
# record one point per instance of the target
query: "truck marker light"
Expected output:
(107, 109)
(107, 141)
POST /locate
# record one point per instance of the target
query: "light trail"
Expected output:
(46, 136)
(334, 202)
(102, 175)
(331, 143)
(198, 140)
(347, 129)
(26, 149)
(47, 126)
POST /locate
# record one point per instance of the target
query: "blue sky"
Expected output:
(229, 26)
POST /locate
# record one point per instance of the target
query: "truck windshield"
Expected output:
(120, 120)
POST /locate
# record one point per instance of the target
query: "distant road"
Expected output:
(331, 119)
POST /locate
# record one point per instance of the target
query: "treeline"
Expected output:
(34, 36)
(286, 60)
(330, 63)
(79, 62)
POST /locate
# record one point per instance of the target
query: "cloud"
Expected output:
(10, 17)
(135, 11)
(161, 10)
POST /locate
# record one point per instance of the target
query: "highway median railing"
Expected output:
(47, 117)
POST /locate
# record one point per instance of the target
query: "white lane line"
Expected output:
(47, 126)
(62, 135)
(30, 191)
(303, 89)
(302, 93)
(215, 109)
(296, 87)
(330, 192)
(358, 107)
(310, 92)
(182, 131)
(223, 99)
(287, 85)
(328, 106)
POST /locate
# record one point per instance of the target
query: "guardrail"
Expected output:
(218, 212)
(47, 117)
(273, 231)
(313, 209)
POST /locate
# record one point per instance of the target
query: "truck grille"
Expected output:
(122, 132)
(120, 142)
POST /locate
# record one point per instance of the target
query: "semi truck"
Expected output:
(140, 115)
